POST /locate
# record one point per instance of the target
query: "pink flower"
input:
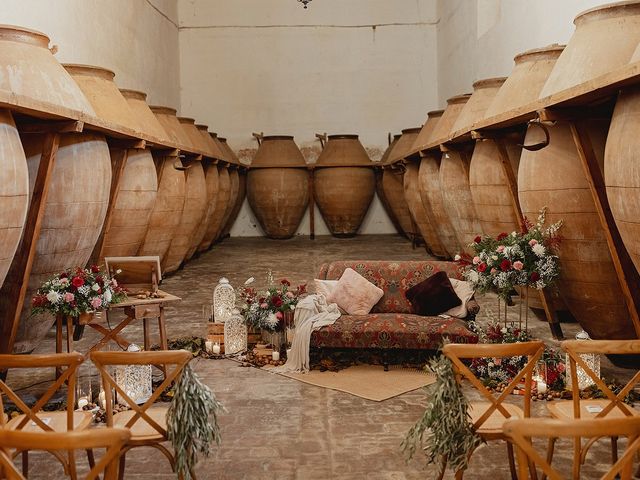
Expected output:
(96, 302)
(493, 271)
(476, 260)
(264, 305)
(68, 297)
(290, 295)
(279, 315)
(560, 367)
(518, 265)
(497, 361)
(500, 249)
(533, 242)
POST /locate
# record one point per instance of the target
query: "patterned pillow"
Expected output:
(355, 294)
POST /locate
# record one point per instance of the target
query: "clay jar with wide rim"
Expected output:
(167, 210)
(29, 69)
(430, 191)
(384, 160)
(604, 40)
(553, 177)
(344, 184)
(393, 183)
(455, 165)
(242, 186)
(147, 120)
(278, 186)
(14, 191)
(73, 217)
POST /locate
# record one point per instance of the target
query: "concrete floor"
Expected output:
(278, 428)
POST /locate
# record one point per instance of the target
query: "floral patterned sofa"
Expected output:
(391, 325)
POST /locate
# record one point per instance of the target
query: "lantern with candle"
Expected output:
(134, 380)
(224, 300)
(592, 361)
(235, 333)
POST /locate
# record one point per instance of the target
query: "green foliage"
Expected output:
(444, 432)
(192, 421)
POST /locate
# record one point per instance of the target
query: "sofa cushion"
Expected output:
(433, 295)
(392, 330)
(324, 287)
(464, 291)
(355, 294)
(394, 278)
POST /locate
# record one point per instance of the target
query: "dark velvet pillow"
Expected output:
(433, 296)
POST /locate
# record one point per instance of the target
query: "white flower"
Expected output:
(473, 276)
(250, 281)
(503, 330)
(54, 297)
(494, 258)
(84, 290)
(272, 320)
(107, 296)
(293, 307)
(457, 258)
(95, 287)
(539, 249)
(118, 271)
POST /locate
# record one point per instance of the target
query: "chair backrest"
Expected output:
(576, 348)
(68, 363)
(112, 439)
(394, 278)
(521, 431)
(532, 350)
(103, 360)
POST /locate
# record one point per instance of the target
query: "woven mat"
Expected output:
(367, 381)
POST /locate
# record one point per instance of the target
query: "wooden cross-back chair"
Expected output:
(489, 416)
(112, 439)
(612, 406)
(521, 431)
(34, 419)
(148, 424)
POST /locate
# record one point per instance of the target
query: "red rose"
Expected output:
(302, 288)
(478, 239)
(100, 280)
(262, 300)
(95, 268)
(535, 276)
(77, 282)
(276, 301)
(39, 301)
(482, 267)
(502, 236)
(63, 275)
(505, 265)
(286, 282)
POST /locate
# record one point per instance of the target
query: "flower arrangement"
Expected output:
(267, 309)
(523, 259)
(77, 291)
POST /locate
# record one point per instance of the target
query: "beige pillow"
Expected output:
(465, 291)
(355, 294)
(325, 287)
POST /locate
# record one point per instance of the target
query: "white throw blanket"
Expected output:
(312, 313)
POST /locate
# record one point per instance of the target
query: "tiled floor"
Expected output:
(278, 428)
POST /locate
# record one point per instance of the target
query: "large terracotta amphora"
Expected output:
(278, 186)
(242, 186)
(344, 184)
(380, 167)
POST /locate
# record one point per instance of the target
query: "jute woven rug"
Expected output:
(367, 381)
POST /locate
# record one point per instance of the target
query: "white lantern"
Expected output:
(591, 359)
(224, 301)
(134, 380)
(235, 333)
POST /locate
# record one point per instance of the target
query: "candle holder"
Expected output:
(235, 333)
(591, 359)
(224, 300)
(134, 380)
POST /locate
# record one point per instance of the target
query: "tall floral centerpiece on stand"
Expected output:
(77, 293)
(271, 310)
(525, 259)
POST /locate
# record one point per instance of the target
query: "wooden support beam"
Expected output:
(602, 109)
(625, 270)
(123, 143)
(312, 206)
(118, 163)
(14, 289)
(49, 126)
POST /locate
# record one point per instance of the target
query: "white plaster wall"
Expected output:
(137, 39)
(362, 66)
(479, 38)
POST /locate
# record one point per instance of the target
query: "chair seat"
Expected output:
(492, 426)
(56, 420)
(563, 409)
(141, 431)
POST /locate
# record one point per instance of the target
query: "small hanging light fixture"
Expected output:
(304, 2)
